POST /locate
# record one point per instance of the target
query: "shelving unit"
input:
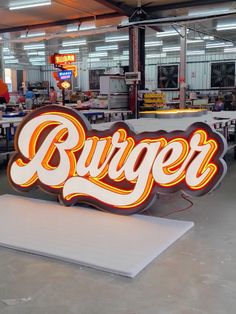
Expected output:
(152, 100)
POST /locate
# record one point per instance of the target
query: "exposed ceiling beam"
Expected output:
(124, 9)
(75, 34)
(120, 8)
(180, 5)
(59, 23)
(173, 20)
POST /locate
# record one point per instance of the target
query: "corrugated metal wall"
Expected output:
(48, 76)
(198, 71)
(34, 75)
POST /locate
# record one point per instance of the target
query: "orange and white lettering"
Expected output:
(115, 170)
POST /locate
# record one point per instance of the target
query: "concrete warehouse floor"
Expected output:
(195, 275)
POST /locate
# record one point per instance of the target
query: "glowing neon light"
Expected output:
(71, 67)
(115, 170)
(65, 75)
(65, 84)
(64, 58)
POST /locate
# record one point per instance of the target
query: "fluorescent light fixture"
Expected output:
(32, 35)
(36, 53)
(105, 48)
(8, 57)
(74, 43)
(72, 28)
(153, 43)
(37, 59)
(31, 4)
(225, 27)
(34, 46)
(87, 25)
(121, 58)
(218, 45)
(194, 41)
(8, 53)
(208, 12)
(39, 63)
(227, 50)
(11, 61)
(169, 49)
(93, 60)
(116, 38)
(156, 55)
(195, 52)
(125, 53)
(167, 34)
(98, 54)
(85, 28)
(205, 37)
(5, 49)
(73, 50)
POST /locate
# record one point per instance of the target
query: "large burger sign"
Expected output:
(116, 170)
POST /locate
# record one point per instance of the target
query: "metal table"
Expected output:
(224, 122)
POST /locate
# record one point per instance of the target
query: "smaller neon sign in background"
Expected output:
(65, 75)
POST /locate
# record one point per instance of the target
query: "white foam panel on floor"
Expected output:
(117, 244)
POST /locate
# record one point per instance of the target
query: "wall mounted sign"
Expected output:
(64, 58)
(63, 62)
(65, 75)
(65, 84)
(116, 170)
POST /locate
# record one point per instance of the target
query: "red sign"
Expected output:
(63, 61)
(116, 169)
(64, 58)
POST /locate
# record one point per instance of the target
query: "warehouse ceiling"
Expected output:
(60, 24)
(11, 16)
(18, 15)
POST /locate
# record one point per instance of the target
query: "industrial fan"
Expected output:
(223, 74)
(168, 76)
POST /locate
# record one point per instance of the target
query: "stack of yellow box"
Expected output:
(155, 100)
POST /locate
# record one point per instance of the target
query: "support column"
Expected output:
(182, 70)
(137, 60)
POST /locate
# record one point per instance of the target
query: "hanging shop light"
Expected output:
(105, 48)
(34, 46)
(116, 38)
(74, 43)
(28, 4)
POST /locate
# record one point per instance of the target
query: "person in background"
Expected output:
(219, 105)
(29, 97)
(52, 95)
